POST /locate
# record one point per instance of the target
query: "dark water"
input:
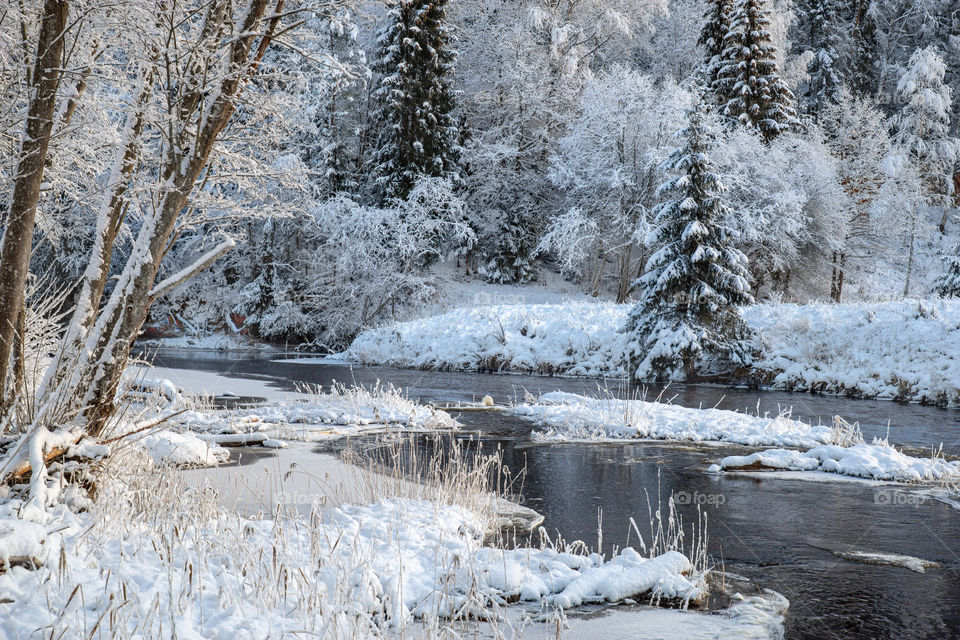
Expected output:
(775, 532)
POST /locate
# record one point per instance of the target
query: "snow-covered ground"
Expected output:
(568, 339)
(208, 342)
(838, 449)
(325, 414)
(906, 350)
(348, 571)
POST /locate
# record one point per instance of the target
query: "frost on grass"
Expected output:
(570, 417)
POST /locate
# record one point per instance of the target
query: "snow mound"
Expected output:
(877, 461)
(569, 417)
(570, 339)
(182, 449)
(906, 350)
(338, 413)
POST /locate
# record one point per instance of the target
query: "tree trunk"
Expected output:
(913, 226)
(18, 236)
(120, 323)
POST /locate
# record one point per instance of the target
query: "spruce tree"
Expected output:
(826, 43)
(507, 259)
(922, 128)
(753, 92)
(716, 24)
(419, 136)
(948, 285)
(695, 278)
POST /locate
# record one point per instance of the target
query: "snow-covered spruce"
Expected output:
(419, 136)
(565, 417)
(757, 96)
(696, 278)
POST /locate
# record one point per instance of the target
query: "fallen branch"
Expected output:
(143, 428)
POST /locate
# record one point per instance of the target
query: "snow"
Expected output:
(570, 339)
(346, 572)
(182, 449)
(321, 415)
(566, 417)
(213, 342)
(893, 559)
(904, 350)
(877, 461)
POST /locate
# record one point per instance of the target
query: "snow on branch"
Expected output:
(182, 276)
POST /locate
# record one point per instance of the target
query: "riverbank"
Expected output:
(906, 350)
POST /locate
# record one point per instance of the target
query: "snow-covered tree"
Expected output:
(696, 278)
(922, 128)
(419, 135)
(753, 92)
(858, 138)
(607, 167)
(826, 45)
(716, 25)
(948, 285)
(786, 204)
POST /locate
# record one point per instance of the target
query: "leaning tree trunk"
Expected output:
(21, 216)
(110, 341)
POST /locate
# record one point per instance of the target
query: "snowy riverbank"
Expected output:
(906, 350)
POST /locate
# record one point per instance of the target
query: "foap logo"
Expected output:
(685, 299)
(486, 299)
(699, 499)
(898, 498)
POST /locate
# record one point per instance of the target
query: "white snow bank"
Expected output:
(336, 413)
(571, 417)
(877, 461)
(352, 571)
(908, 349)
(215, 342)
(570, 339)
(182, 449)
